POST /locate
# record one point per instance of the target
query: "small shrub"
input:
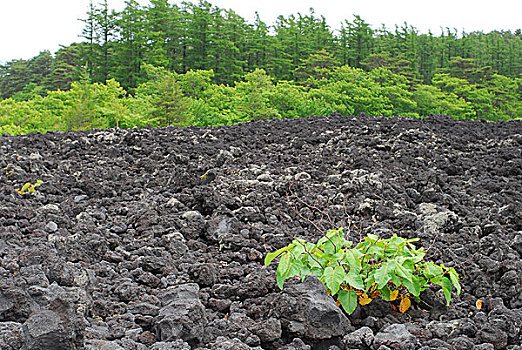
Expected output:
(29, 188)
(392, 269)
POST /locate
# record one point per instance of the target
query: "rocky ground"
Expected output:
(155, 239)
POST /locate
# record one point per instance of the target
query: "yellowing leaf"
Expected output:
(479, 304)
(375, 294)
(394, 294)
(405, 305)
(364, 299)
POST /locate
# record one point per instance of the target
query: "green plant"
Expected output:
(29, 188)
(392, 269)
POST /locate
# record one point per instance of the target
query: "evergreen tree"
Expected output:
(357, 41)
(129, 53)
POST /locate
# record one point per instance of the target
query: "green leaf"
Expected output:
(338, 257)
(413, 285)
(417, 256)
(397, 241)
(310, 261)
(318, 272)
(454, 276)
(355, 281)
(280, 280)
(403, 272)
(372, 238)
(282, 268)
(354, 258)
(348, 300)
(369, 280)
(327, 237)
(297, 248)
(294, 269)
(284, 262)
(271, 256)
(384, 273)
(329, 248)
(432, 270)
(385, 293)
(376, 250)
(408, 265)
(333, 277)
(397, 281)
(446, 288)
(305, 271)
(288, 267)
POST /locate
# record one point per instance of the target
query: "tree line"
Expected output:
(354, 69)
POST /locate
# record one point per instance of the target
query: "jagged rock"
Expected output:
(359, 339)
(182, 314)
(174, 345)
(223, 343)
(46, 330)
(11, 336)
(395, 336)
(307, 311)
(296, 344)
(268, 331)
(103, 345)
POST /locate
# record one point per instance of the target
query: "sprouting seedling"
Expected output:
(29, 188)
(392, 269)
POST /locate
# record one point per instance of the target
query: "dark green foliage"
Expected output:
(211, 58)
(203, 36)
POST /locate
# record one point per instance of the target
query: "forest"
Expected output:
(194, 64)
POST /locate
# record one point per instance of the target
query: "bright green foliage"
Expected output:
(168, 98)
(93, 105)
(251, 98)
(389, 268)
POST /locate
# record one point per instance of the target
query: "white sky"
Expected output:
(30, 26)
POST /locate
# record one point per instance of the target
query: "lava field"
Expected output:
(155, 238)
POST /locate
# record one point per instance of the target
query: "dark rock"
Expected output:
(103, 345)
(485, 346)
(223, 343)
(174, 345)
(268, 331)
(46, 330)
(296, 344)
(6, 304)
(461, 343)
(359, 339)
(11, 336)
(182, 314)
(147, 338)
(146, 309)
(395, 336)
(436, 344)
(493, 335)
(194, 224)
(203, 274)
(307, 311)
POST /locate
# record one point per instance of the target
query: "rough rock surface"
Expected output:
(155, 238)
